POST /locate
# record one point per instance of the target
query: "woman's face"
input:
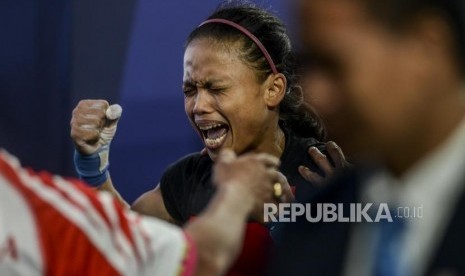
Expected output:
(224, 99)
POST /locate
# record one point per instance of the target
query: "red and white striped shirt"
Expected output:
(55, 226)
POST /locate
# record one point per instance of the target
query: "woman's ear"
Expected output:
(276, 86)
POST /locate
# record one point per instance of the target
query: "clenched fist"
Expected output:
(93, 125)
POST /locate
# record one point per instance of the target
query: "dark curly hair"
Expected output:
(272, 34)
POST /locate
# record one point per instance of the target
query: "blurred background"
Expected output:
(57, 52)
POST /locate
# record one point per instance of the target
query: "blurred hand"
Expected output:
(254, 175)
(322, 161)
(93, 125)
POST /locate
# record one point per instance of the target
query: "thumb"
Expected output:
(114, 112)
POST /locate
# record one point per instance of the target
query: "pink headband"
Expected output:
(247, 33)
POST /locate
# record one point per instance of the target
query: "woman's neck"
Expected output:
(274, 142)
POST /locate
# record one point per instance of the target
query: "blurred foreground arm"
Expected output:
(243, 185)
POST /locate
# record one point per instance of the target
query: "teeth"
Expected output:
(209, 126)
(209, 142)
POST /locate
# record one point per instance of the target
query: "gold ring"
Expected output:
(277, 190)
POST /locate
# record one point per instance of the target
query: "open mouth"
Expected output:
(213, 133)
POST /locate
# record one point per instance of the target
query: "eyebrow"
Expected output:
(205, 84)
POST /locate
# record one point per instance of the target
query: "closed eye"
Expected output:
(217, 90)
(189, 90)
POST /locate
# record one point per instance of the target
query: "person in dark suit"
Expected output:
(398, 68)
